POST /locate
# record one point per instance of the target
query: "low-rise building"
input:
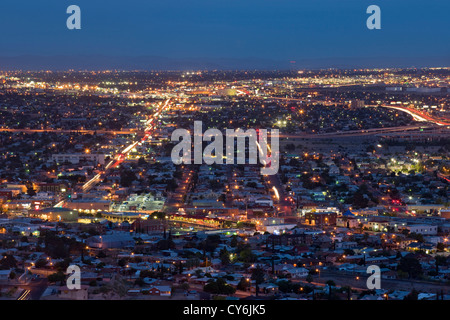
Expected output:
(423, 229)
(320, 218)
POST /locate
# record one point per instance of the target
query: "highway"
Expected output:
(359, 284)
(351, 133)
(419, 116)
(25, 295)
(78, 131)
(31, 290)
(416, 114)
(175, 199)
(121, 156)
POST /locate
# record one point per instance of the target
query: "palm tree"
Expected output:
(258, 276)
(330, 284)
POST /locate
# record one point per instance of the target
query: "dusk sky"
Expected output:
(280, 30)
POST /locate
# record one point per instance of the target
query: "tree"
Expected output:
(418, 237)
(252, 184)
(147, 274)
(8, 262)
(309, 278)
(127, 177)
(141, 162)
(184, 286)
(411, 266)
(440, 247)
(359, 200)
(439, 261)
(233, 241)
(225, 257)
(243, 284)
(30, 190)
(165, 244)
(171, 185)
(413, 295)
(258, 276)
(290, 147)
(222, 197)
(330, 284)
(247, 255)
(60, 247)
(347, 289)
(58, 276)
(139, 282)
(41, 263)
(63, 265)
(180, 267)
(349, 252)
(284, 286)
(122, 262)
(219, 286)
(210, 243)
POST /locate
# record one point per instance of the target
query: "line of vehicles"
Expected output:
(120, 157)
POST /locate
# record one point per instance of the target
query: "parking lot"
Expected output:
(144, 202)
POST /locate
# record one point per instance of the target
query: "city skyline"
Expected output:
(223, 35)
(176, 152)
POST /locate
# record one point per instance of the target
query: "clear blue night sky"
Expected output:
(276, 29)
